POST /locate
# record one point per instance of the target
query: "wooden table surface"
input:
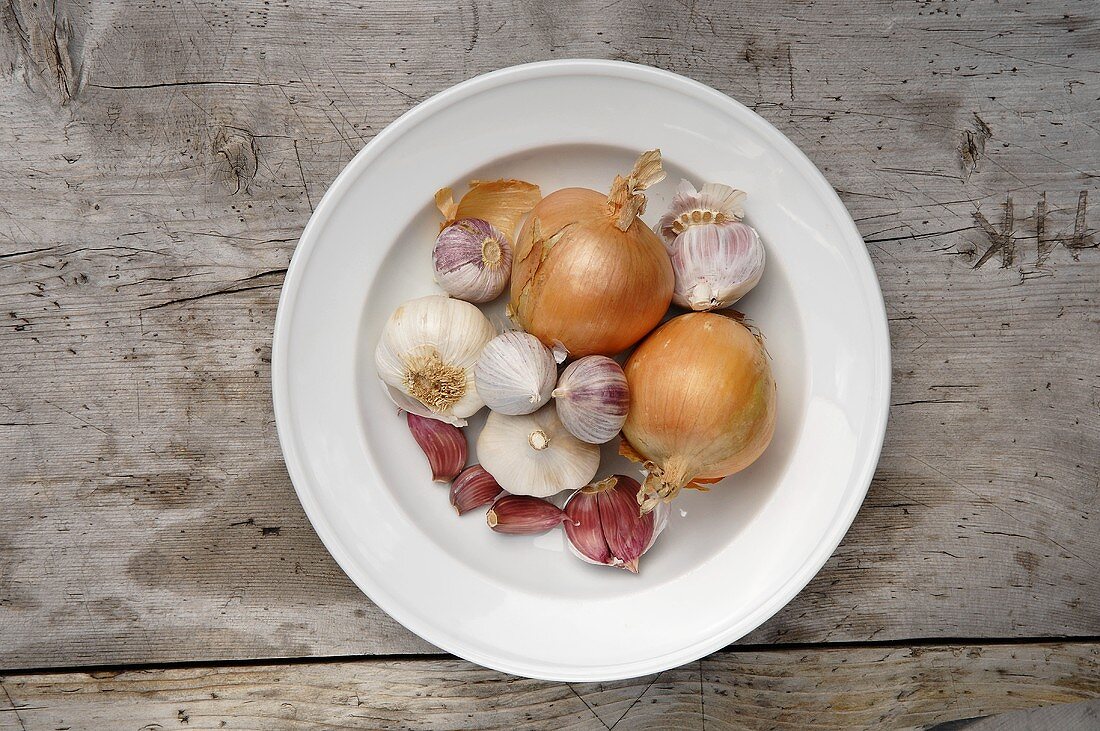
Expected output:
(158, 160)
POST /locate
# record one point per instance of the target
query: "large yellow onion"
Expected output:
(588, 275)
(702, 403)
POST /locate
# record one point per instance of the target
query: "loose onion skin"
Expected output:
(702, 403)
(585, 283)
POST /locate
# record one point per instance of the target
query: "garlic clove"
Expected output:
(427, 352)
(592, 398)
(515, 373)
(524, 515)
(584, 531)
(473, 488)
(627, 531)
(472, 260)
(443, 444)
(608, 527)
(534, 454)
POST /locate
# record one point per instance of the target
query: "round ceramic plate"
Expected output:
(731, 557)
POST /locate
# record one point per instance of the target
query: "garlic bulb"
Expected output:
(535, 454)
(605, 526)
(702, 403)
(588, 275)
(426, 357)
(717, 258)
(472, 260)
(515, 373)
(592, 398)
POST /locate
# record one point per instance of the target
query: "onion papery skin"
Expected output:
(596, 290)
(702, 401)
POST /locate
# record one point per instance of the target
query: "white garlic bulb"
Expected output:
(592, 398)
(472, 260)
(717, 258)
(426, 357)
(515, 373)
(535, 454)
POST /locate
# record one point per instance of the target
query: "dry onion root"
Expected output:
(588, 275)
(702, 404)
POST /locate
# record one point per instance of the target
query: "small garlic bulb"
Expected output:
(426, 357)
(717, 258)
(535, 454)
(592, 398)
(515, 373)
(472, 260)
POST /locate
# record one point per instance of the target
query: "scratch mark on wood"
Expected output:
(1002, 241)
(1081, 238)
(1043, 246)
(790, 68)
(590, 709)
(209, 294)
(11, 703)
(972, 146)
(163, 84)
(302, 172)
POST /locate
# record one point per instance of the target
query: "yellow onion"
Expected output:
(588, 275)
(702, 403)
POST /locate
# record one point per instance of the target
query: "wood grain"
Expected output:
(159, 159)
(869, 687)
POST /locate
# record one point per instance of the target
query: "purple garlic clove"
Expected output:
(524, 515)
(473, 488)
(443, 444)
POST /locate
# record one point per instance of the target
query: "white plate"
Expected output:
(730, 558)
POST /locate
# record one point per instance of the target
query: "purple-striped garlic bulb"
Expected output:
(716, 257)
(472, 260)
(592, 398)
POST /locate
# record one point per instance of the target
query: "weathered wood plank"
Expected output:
(870, 687)
(158, 160)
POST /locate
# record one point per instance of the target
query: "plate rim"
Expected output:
(614, 69)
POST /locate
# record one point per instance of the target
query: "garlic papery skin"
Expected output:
(535, 454)
(426, 357)
(592, 398)
(473, 260)
(716, 258)
(515, 373)
(605, 526)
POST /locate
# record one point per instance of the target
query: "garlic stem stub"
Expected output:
(534, 454)
(515, 373)
(473, 488)
(472, 260)
(592, 398)
(588, 275)
(426, 357)
(443, 444)
(606, 527)
(702, 403)
(717, 258)
(523, 515)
